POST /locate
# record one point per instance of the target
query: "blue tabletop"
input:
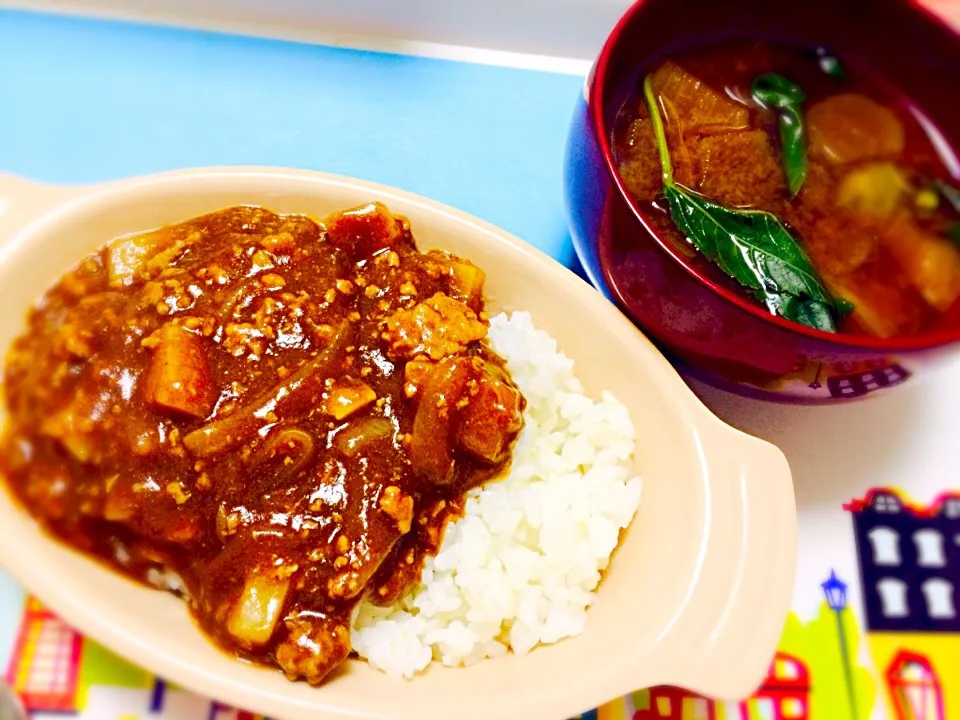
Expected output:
(86, 100)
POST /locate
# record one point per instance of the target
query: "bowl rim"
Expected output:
(596, 101)
(756, 589)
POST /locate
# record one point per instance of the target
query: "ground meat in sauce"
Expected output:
(282, 412)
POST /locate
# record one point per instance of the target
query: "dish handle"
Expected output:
(23, 200)
(737, 611)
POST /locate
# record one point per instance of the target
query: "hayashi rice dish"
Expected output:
(278, 418)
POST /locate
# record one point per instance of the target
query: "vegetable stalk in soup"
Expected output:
(274, 416)
(807, 184)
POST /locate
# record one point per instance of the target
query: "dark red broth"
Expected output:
(864, 215)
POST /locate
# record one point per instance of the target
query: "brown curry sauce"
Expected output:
(283, 413)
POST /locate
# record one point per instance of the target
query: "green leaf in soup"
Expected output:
(812, 313)
(794, 150)
(776, 91)
(755, 249)
(953, 232)
(952, 196)
(785, 97)
(751, 246)
(843, 307)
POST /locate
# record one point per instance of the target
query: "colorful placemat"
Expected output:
(896, 657)
(875, 630)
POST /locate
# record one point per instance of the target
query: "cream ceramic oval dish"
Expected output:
(695, 596)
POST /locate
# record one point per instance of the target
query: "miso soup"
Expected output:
(801, 180)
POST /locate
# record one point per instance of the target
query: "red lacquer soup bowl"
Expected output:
(712, 333)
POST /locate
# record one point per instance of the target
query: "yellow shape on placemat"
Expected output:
(817, 644)
(29, 647)
(100, 667)
(613, 710)
(918, 670)
(640, 699)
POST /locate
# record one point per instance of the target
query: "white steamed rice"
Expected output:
(520, 567)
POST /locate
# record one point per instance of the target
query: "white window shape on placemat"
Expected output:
(695, 708)
(886, 546)
(886, 504)
(764, 708)
(951, 508)
(893, 596)
(939, 596)
(929, 548)
(786, 669)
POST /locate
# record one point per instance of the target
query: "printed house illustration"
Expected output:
(909, 560)
(670, 703)
(914, 687)
(858, 384)
(47, 667)
(44, 667)
(785, 695)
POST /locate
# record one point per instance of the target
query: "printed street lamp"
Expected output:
(835, 591)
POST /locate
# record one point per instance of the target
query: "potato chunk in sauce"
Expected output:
(283, 413)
